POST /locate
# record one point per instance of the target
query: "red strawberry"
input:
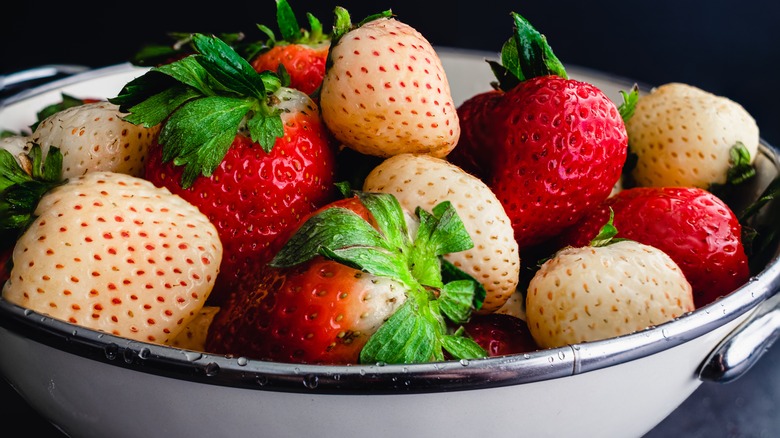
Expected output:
(693, 226)
(5, 257)
(474, 151)
(253, 179)
(500, 334)
(555, 146)
(302, 52)
(360, 281)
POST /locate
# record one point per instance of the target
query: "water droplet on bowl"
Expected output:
(242, 361)
(111, 351)
(464, 362)
(192, 356)
(212, 369)
(311, 381)
(144, 353)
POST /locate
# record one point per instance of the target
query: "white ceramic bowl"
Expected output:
(92, 384)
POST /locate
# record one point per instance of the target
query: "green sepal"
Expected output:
(740, 167)
(228, 67)
(333, 228)
(389, 216)
(455, 300)
(199, 134)
(20, 192)
(607, 233)
(462, 347)
(202, 100)
(374, 260)
(157, 108)
(628, 106)
(264, 129)
(450, 273)
(524, 56)
(408, 336)
(449, 235)
(759, 221)
(288, 24)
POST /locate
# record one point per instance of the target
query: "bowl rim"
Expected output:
(491, 372)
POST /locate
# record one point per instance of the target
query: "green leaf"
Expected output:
(456, 299)
(628, 106)
(10, 171)
(535, 57)
(461, 347)
(159, 107)
(141, 88)
(20, 192)
(389, 216)
(374, 260)
(228, 67)
(199, 134)
(315, 26)
(406, 337)
(288, 24)
(188, 71)
(740, 167)
(333, 228)
(449, 235)
(450, 273)
(342, 23)
(264, 129)
(607, 232)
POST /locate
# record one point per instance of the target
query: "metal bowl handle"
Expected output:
(17, 81)
(742, 348)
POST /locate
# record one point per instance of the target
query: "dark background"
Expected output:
(730, 48)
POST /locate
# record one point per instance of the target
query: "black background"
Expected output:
(730, 48)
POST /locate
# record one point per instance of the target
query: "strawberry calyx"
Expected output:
(342, 23)
(291, 31)
(417, 331)
(524, 56)
(203, 100)
(155, 54)
(24, 182)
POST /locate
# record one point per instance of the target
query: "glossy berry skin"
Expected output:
(556, 149)
(253, 196)
(500, 334)
(693, 226)
(475, 148)
(305, 64)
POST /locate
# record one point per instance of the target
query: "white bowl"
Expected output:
(93, 384)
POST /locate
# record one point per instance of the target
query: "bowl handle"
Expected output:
(15, 82)
(742, 348)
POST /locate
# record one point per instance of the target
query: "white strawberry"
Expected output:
(193, 337)
(385, 91)
(592, 293)
(114, 253)
(419, 180)
(93, 136)
(683, 136)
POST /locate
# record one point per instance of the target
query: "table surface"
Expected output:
(744, 408)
